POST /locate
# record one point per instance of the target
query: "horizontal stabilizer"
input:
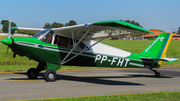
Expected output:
(170, 60)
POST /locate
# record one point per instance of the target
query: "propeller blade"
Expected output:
(7, 54)
(9, 28)
(9, 35)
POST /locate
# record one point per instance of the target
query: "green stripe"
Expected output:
(163, 46)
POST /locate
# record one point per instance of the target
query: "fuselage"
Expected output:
(48, 48)
(100, 55)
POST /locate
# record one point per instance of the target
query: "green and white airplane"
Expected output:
(73, 45)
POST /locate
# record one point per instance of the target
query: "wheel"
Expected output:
(50, 75)
(157, 74)
(32, 73)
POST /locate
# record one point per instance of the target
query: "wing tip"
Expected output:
(14, 27)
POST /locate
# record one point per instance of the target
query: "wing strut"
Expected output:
(72, 38)
(63, 62)
(53, 38)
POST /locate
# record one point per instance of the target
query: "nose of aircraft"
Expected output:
(6, 41)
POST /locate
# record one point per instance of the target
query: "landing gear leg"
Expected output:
(33, 73)
(50, 74)
(157, 74)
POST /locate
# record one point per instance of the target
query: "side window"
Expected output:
(67, 42)
(63, 41)
(81, 46)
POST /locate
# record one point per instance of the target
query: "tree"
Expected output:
(178, 32)
(72, 22)
(56, 25)
(47, 25)
(133, 22)
(3, 22)
(173, 32)
(60, 25)
(66, 24)
(6, 25)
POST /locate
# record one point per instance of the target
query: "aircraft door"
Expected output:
(51, 53)
(38, 52)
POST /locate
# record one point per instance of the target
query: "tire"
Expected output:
(157, 74)
(32, 73)
(50, 75)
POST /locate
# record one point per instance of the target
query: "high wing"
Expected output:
(112, 28)
(31, 31)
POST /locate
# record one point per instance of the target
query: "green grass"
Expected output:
(12, 68)
(159, 96)
(135, 46)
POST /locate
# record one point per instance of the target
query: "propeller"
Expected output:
(9, 35)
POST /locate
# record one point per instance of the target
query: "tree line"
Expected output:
(56, 24)
(133, 22)
(5, 25)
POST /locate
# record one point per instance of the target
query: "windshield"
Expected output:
(42, 33)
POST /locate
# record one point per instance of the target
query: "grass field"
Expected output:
(134, 46)
(160, 96)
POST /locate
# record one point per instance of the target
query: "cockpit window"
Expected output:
(48, 36)
(45, 35)
(41, 33)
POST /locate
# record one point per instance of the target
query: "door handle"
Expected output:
(40, 46)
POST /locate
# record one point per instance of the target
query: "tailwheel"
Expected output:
(32, 73)
(50, 75)
(157, 74)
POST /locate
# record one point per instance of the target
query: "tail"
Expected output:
(156, 51)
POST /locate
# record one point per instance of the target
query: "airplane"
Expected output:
(74, 45)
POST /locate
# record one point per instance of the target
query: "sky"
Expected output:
(151, 14)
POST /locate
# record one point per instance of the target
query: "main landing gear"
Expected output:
(157, 74)
(50, 75)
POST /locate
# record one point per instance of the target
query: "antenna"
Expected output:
(163, 27)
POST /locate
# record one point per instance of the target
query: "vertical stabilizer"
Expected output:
(158, 48)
